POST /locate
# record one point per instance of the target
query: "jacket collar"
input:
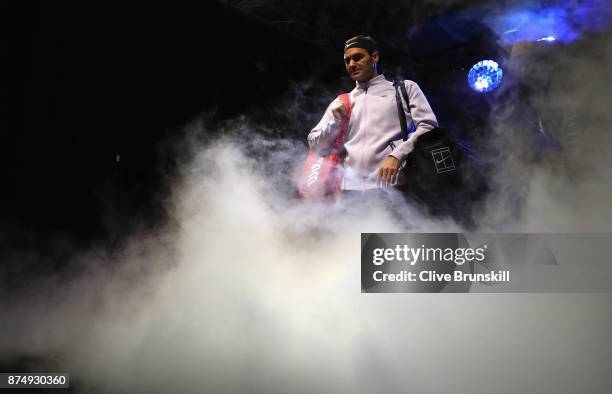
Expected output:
(372, 82)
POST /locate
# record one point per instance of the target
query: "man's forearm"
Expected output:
(404, 149)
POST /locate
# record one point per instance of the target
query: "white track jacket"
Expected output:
(374, 123)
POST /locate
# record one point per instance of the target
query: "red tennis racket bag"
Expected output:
(322, 174)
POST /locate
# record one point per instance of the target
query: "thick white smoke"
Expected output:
(569, 188)
(254, 292)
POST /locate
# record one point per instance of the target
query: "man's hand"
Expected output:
(338, 109)
(388, 171)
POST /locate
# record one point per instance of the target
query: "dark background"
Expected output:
(92, 93)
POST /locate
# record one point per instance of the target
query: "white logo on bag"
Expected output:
(443, 160)
(314, 172)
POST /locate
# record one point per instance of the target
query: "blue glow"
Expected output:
(485, 76)
(558, 21)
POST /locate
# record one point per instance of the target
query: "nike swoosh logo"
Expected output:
(352, 43)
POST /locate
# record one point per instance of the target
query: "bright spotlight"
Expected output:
(485, 76)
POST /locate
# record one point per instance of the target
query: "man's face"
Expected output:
(360, 65)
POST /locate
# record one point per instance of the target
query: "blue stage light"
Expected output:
(485, 76)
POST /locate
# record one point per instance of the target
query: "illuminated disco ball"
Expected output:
(485, 76)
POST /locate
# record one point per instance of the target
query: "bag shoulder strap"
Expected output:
(402, 87)
(346, 99)
(399, 86)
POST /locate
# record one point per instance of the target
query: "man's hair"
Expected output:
(362, 41)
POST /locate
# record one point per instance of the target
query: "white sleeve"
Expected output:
(324, 133)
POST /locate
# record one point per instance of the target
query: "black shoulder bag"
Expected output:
(434, 166)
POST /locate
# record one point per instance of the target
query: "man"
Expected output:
(375, 150)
